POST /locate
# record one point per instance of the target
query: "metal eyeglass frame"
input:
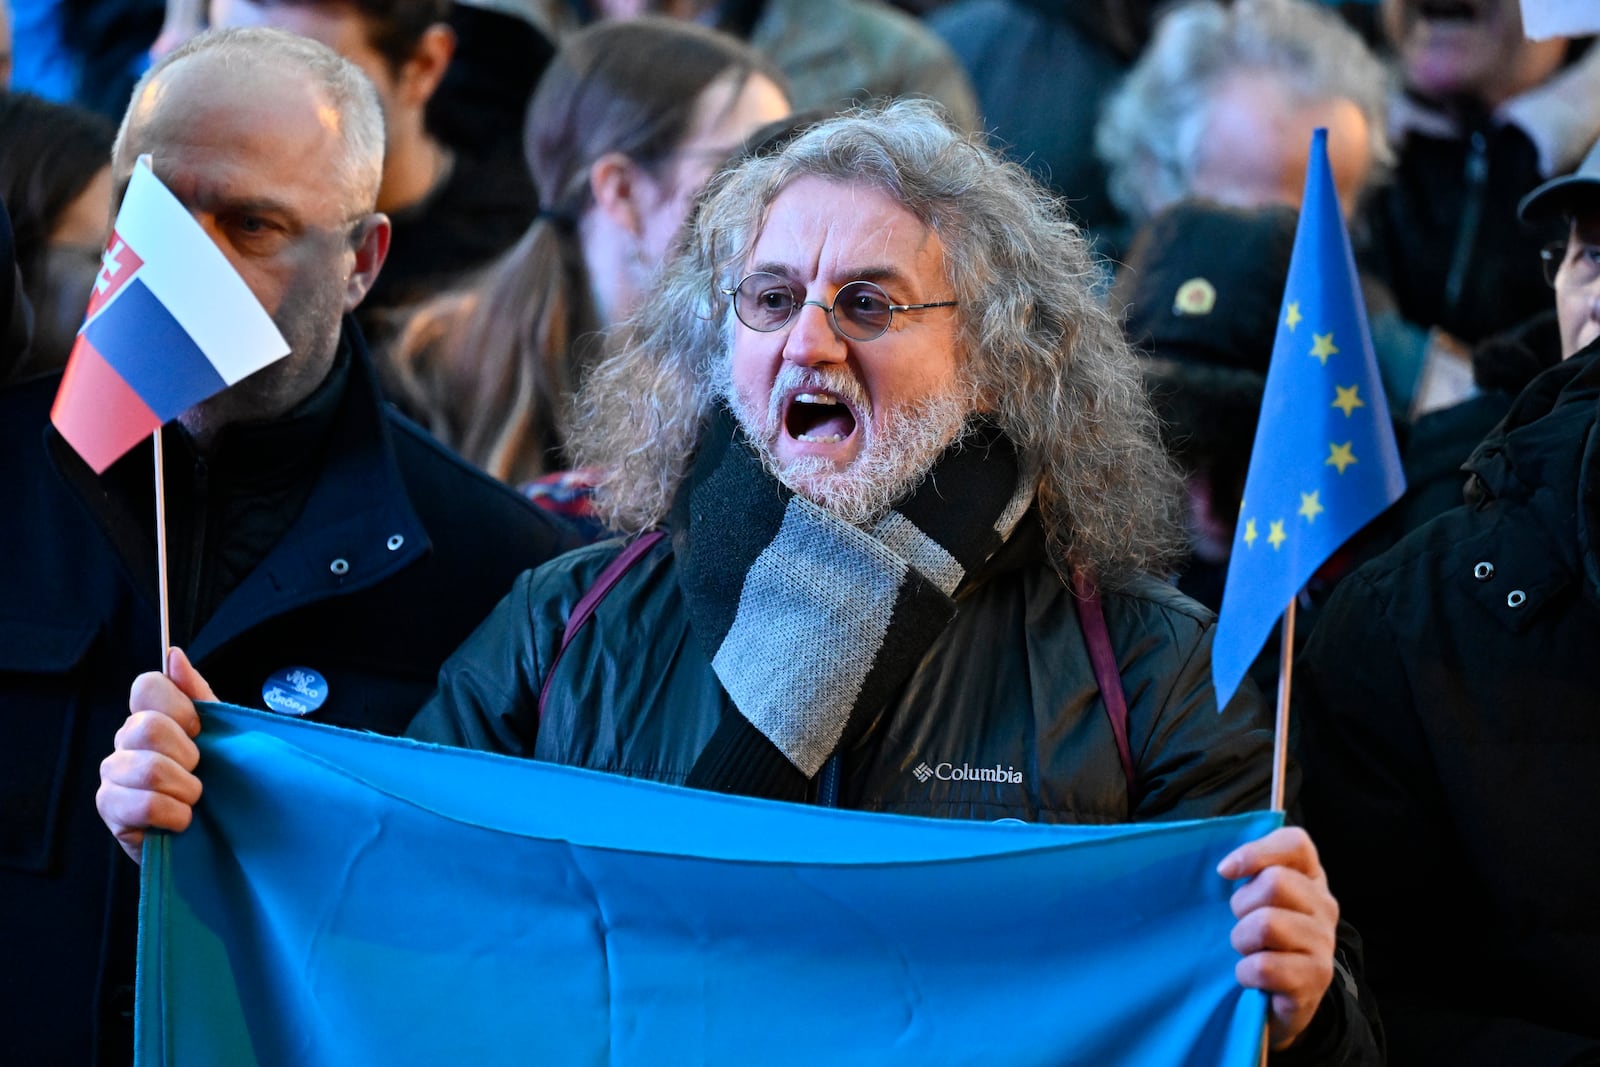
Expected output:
(828, 309)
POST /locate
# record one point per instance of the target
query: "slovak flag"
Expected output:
(170, 323)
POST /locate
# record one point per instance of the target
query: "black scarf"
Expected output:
(812, 624)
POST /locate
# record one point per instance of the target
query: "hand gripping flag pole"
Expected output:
(1324, 462)
(169, 324)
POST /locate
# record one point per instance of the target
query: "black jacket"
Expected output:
(1451, 730)
(1443, 233)
(397, 550)
(1002, 719)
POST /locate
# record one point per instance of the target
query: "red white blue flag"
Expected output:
(170, 323)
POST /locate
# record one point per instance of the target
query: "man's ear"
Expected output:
(421, 74)
(370, 243)
(616, 182)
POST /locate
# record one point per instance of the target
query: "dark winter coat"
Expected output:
(397, 551)
(1451, 744)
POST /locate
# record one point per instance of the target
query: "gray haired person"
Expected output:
(1222, 104)
(882, 462)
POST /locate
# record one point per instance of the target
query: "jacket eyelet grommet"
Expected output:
(1483, 571)
(394, 542)
(340, 567)
(1516, 598)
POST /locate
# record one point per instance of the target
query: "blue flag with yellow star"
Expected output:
(1325, 462)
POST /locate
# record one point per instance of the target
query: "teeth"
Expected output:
(826, 439)
(817, 398)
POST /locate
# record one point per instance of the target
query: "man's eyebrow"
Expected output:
(879, 274)
(876, 273)
(254, 205)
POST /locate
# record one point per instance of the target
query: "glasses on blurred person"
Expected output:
(860, 311)
(1580, 259)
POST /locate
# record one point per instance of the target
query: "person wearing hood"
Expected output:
(1448, 722)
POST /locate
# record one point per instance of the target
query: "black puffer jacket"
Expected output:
(1003, 718)
(1451, 728)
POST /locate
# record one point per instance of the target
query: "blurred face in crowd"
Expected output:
(725, 114)
(257, 157)
(339, 26)
(1578, 284)
(1468, 48)
(82, 223)
(849, 424)
(412, 164)
(1257, 140)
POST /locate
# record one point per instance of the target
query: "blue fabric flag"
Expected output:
(1325, 462)
(348, 899)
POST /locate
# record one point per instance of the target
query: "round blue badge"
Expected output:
(295, 691)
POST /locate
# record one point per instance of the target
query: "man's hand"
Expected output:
(1286, 929)
(148, 782)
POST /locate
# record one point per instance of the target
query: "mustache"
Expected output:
(828, 378)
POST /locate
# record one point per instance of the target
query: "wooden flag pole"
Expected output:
(161, 550)
(1280, 746)
(1280, 729)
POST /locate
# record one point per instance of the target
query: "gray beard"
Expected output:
(897, 452)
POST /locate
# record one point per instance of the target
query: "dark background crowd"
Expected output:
(543, 157)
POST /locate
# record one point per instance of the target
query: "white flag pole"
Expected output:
(161, 551)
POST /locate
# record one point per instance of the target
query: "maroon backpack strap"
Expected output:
(584, 608)
(1092, 620)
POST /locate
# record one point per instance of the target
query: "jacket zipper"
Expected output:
(828, 783)
(1476, 177)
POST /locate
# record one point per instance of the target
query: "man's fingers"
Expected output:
(1296, 983)
(1281, 930)
(154, 692)
(182, 672)
(1284, 887)
(141, 790)
(155, 732)
(1287, 846)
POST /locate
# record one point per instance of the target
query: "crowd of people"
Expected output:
(762, 396)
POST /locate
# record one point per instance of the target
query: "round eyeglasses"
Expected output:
(860, 311)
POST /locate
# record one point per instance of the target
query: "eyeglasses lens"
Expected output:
(861, 311)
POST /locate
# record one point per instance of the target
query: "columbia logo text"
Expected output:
(949, 772)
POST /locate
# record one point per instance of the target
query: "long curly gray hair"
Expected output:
(1046, 360)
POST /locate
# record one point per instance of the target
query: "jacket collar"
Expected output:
(1545, 456)
(357, 527)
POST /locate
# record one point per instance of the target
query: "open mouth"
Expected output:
(1448, 10)
(818, 418)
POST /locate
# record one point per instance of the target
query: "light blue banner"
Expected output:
(348, 899)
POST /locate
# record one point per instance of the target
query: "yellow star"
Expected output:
(1292, 319)
(1277, 537)
(1250, 534)
(1310, 506)
(1322, 346)
(1348, 400)
(1339, 456)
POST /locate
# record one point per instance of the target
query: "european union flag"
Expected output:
(1325, 462)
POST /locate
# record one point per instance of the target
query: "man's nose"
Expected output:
(812, 338)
